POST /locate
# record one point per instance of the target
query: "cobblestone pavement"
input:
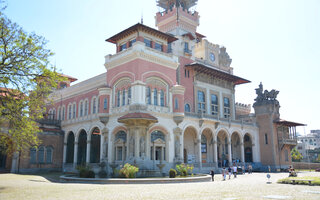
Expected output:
(248, 186)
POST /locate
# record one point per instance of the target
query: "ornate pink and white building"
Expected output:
(168, 96)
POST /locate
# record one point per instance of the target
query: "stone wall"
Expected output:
(305, 165)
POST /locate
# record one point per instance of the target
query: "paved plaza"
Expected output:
(253, 186)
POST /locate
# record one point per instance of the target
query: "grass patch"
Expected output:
(300, 180)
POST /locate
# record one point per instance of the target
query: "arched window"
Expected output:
(129, 95)
(148, 95)
(86, 107)
(94, 105)
(187, 108)
(118, 99)
(105, 104)
(81, 109)
(161, 98)
(95, 146)
(70, 111)
(155, 96)
(49, 155)
(33, 155)
(123, 97)
(41, 155)
(74, 111)
(70, 148)
(120, 149)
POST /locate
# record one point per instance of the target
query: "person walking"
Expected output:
(224, 173)
(212, 175)
(230, 172)
(235, 171)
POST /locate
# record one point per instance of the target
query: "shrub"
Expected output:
(172, 173)
(190, 169)
(129, 171)
(182, 169)
(85, 171)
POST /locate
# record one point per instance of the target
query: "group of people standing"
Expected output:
(231, 170)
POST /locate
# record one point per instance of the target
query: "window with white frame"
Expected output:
(49, 152)
(155, 96)
(148, 95)
(70, 111)
(226, 107)
(81, 109)
(41, 154)
(86, 108)
(129, 95)
(94, 105)
(105, 104)
(201, 102)
(74, 111)
(123, 97)
(214, 104)
(118, 99)
(161, 98)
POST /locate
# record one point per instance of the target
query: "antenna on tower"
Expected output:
(141, 18)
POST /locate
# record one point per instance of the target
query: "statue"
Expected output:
(224, 58)
(265, 97)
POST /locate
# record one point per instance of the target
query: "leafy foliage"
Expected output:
(129, 171)
(85, 172)
(296, 155)
(172, 173)
(25, 81)
(184, 169)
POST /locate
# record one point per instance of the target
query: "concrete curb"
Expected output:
(198, 178)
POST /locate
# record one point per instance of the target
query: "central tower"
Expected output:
(177, 17)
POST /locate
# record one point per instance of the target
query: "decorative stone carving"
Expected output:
(265, 97)
(224, 58)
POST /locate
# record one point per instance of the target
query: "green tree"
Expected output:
(296, 155)
(26, 79)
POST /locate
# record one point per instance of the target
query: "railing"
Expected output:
(288, 141)
(52, 122)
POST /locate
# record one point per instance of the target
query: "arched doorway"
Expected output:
(236, 147)
(190, 151)
(82, 147)
(222, 146)
(247, 148)
(95, 146)
(70, 148)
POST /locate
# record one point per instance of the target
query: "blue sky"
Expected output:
(270, 41)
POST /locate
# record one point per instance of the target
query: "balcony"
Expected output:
(292, 141)
(50, 122)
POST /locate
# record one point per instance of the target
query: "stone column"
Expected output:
(64, 153)
(137, 141)
(229, 153)
(215, 153)
(147, 148)
(88, 151)
(199, 151)
(242, 152)
(181, 149)
(75, 155)
(102, 153)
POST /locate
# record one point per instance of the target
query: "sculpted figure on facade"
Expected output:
(224, 58)
(265, 97)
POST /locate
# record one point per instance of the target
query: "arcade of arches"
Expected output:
(203, 150)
